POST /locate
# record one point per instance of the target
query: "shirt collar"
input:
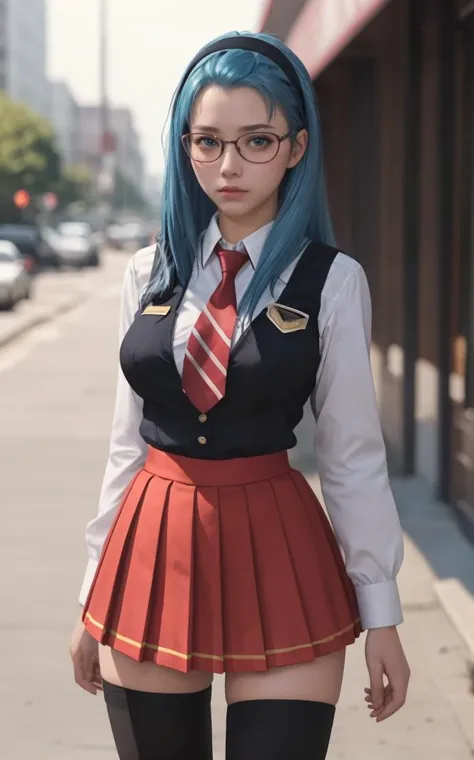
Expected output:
(253, 243)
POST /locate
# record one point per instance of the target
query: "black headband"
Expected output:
(241, 42)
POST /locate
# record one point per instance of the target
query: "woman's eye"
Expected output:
(205, 142)
(260, 141)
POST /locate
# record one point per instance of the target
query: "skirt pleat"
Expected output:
(281, 608)
(319, 560)
(136, 589)
(172, 610)
(104, 598)
(208, 638)
(225, 566)
(319, 526)
(241, 612)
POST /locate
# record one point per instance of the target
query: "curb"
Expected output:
(40, 319)
(458, 605)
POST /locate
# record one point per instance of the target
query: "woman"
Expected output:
(220, 559)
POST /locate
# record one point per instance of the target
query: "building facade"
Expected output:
(64, 112)
(127, 151)
(395, 85)
(23, 53)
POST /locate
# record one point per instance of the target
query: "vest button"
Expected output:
(202, 440)
(202, 418)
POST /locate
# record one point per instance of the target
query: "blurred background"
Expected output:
(85, 87)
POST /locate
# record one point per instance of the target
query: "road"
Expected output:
(56, 396)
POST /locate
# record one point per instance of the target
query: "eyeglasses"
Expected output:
(256, 147)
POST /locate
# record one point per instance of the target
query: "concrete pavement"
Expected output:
(437, 719)
(56, 397)
(55, 293)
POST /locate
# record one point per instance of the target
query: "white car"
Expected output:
(70, 251)
(15, 280)
(76, 230)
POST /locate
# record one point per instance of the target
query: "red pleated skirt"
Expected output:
(221, 566)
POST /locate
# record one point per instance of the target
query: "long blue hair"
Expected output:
(186, 210)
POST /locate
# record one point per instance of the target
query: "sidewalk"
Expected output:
(55, 293)
(437, 720)
(450, 555)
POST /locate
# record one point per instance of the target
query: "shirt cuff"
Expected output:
(379, 605)
(87, 582)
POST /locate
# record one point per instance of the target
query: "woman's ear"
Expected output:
(299, 148)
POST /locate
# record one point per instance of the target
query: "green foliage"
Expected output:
(28, 155)
(75, 185)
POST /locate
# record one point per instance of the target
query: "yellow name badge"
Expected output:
(161, 310)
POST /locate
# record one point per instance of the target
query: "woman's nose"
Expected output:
(231, 161)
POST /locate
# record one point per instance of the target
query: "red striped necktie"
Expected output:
(208, 350)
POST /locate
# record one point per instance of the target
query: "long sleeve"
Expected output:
(127, 451)
(351, 456)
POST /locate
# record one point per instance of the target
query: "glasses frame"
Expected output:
(223, 143)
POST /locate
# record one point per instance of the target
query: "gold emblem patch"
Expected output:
(286, 318)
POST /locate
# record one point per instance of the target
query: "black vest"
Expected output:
(270, 376)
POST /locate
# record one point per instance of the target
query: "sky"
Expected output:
(150, 44)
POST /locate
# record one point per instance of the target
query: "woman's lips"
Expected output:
(231, 191)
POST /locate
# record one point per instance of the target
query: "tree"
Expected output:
(75, 185)
(29, 159)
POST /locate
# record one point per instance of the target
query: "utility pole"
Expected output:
(104, 106)
(106, 169)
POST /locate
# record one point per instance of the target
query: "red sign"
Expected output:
(325, 27)
(50, 201)
(109, 141)
(21, 198)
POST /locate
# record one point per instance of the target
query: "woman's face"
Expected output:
(229, 114)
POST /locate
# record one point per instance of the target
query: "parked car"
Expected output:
(115, 236)
(129, 235)
(32, 243)
(75, 230)
(70, 251)
(15, 279)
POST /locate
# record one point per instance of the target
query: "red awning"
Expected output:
(325, 27)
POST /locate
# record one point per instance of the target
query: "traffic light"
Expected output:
(21, 198)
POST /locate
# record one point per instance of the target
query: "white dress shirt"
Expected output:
(349, 447)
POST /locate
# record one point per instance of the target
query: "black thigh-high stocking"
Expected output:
(278, 729)
(148, 726)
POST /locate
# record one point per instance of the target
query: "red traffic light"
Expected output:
(21, 198)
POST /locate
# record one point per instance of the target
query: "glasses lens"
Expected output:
(258, 148)
(203, 148)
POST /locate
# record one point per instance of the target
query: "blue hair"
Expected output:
(186, 210)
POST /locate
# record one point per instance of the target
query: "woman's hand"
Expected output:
(384, 655)
(84, 651)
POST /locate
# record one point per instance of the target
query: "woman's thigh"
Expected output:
(318, 681)
(117, 668)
